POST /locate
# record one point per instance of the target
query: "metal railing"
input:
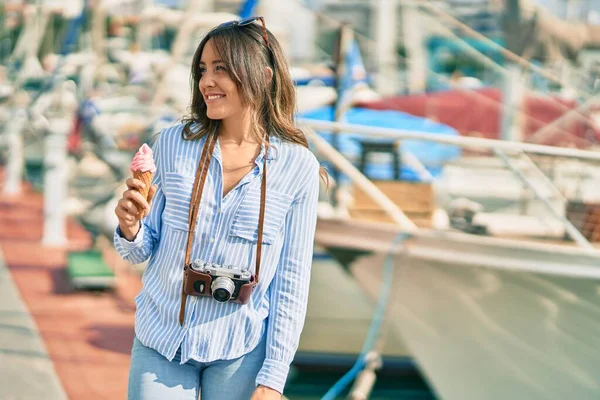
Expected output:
(460, 141)
(501, 149)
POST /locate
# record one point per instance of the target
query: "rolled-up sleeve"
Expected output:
(142, 247)
(289, 289)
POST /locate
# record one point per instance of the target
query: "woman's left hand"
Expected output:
(265, 393)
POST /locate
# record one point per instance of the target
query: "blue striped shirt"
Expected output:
(226, 234)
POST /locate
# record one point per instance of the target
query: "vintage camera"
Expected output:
(221, 283)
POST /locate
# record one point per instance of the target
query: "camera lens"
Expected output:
(221, 295)
(222, 288)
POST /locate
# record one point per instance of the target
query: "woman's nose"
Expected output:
(206, 81)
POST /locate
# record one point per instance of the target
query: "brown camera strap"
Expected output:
(199, 180)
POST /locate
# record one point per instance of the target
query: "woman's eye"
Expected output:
(221, 68)
(202, 71)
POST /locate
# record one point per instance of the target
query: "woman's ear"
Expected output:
(268, 74)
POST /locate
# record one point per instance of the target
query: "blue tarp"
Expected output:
(432, 155)
(325, 80)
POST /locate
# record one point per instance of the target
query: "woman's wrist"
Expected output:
(265, 390)
(130, 233)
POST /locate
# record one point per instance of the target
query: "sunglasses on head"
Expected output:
(248, 21)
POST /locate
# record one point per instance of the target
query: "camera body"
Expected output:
(221, 283)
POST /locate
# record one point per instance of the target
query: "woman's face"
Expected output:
(218, 89)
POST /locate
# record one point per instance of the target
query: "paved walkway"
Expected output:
(87, 335)
(26, 371)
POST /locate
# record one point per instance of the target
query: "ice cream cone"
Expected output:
(143, 168)
(146, 177)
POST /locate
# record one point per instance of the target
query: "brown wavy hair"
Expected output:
(244, 52)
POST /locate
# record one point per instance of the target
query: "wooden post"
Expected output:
(14, 143)
(511, 121)
(55, 183)
(60, 117)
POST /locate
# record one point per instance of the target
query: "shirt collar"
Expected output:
(216, 152)
(275, 145)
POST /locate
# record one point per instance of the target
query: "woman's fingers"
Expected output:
(133, 183)
(126, 208)
(127, 219)
(136, 197)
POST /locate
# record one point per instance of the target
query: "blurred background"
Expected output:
(456, 247)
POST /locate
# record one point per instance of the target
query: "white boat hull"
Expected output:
(487, 318)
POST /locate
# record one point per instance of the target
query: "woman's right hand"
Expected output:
(127, 207)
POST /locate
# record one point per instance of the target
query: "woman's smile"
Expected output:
(211, 98)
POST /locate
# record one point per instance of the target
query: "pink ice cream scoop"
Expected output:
(143, 161)
(143, 169)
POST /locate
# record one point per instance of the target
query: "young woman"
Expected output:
(242, 109)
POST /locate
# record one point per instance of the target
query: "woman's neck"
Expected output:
(236, 130)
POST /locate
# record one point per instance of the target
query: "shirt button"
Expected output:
(212, 239)
(185, 326)
(219, 210)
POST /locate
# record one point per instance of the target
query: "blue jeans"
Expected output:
(153, 377)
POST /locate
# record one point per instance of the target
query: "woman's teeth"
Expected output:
(215, 96)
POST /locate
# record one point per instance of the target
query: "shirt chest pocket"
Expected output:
(178, 194)
(245, 221)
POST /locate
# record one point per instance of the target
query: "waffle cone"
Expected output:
(146, 178)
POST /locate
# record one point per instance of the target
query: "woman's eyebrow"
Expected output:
(214, 62)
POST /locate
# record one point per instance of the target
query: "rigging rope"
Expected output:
(387, 279)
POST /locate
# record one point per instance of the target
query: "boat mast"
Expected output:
(384, 25)
(510, 121)
(413, 43)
